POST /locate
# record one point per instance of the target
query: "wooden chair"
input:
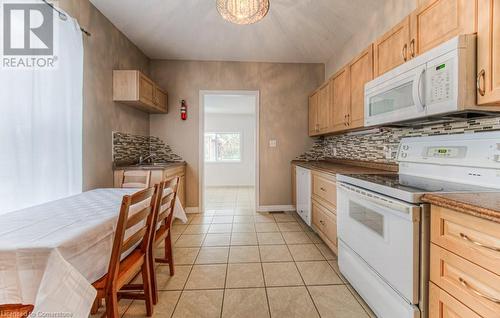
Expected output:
(133, 234)
(15, 311)
(136, 179)
(163, 220)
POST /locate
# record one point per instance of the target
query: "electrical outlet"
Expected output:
(390, 152)
(273, 143)
(333, 150)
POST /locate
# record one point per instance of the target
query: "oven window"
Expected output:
(392, 100)
(371, 219)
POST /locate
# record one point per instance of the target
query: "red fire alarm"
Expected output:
(184, 109)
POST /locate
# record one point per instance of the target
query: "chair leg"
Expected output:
(95, 306)
(152, 273)
(169, 253)
(112, 305)
(146, 279)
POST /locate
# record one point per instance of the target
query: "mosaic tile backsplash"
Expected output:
(128, 148)
(377, 146)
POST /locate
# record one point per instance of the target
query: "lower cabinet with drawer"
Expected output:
(464, 265)
(324, 215)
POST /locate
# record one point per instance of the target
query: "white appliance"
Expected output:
(303, 193)
(440, 81)
(383, 225)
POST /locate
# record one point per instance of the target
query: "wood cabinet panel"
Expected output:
(313, 114)
(324, 108)
(472, 285)
(325, 188)
(437, 21)
(326, 224)
(443, 305)
(361, 71)
(340, 101)
(146, 90)
(488, 42)
(160, 99)
(470, 237)
(392, 49)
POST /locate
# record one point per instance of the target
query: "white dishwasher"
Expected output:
(303, 192)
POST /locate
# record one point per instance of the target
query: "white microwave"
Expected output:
(438, 82)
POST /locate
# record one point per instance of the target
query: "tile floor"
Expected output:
(235, 262)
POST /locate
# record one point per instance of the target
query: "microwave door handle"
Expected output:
(417, 90)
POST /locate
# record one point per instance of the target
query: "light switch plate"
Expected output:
(273, 143)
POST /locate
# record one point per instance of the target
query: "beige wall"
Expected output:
(105, 50)
(381, 21)
(284, 90)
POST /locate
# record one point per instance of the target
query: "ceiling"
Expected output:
(294, 31)
(230, 104)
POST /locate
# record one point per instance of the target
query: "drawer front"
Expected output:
(325, 222)
(442, 305)
(474, 286)
(470, 237)
(325, 188)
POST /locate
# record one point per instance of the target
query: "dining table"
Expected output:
(50, 254)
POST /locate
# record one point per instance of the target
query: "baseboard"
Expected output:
(194, 209)
(274, 208)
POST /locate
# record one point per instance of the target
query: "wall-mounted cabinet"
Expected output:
(361, 70)
(488, 42)
(437, 21)
(319, 111)
(392, 48)
(133, 88)
(340, 101)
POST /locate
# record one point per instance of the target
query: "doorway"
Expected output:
(229, 150)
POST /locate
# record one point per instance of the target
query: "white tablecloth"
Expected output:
(51, 253)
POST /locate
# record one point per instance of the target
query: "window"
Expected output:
(222, 147)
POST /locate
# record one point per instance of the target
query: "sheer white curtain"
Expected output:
(41, 126)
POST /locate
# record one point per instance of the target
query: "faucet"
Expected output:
(143, 159)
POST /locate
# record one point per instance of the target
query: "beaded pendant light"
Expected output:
(243, 11)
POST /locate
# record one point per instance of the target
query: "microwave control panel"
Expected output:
(440, 76)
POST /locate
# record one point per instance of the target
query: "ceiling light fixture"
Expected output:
(243, 11)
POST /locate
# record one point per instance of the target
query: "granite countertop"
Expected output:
(347, 166)
(157, 166)
(485, 205)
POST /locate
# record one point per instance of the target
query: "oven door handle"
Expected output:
(387, 204)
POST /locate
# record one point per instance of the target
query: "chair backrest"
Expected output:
(166, 201)
(134, 227)
(136, 179)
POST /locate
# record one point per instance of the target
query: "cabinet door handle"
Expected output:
(348, 119)
(480, 76)
(412, 48)
(404, 52)
(468, 239)
(476, 292)
(323, 189)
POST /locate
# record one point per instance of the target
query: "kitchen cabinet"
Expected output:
(437, 21)
(488, 41)
(361, 71)
(313, 114)
(391, 49)
(133, 88)
(318, 111)
(324, 202)
(340, 111)
(464, 264)
(158, 174)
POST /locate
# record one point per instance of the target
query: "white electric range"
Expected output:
(383, 225)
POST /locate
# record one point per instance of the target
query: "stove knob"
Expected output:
(404, 155)
(406, 147)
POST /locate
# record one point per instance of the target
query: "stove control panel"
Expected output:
(446, 152)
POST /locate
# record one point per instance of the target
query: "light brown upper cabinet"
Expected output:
(361, 72)
(313, 114)
(324, 108)
(437, 21)
(133, 88)
(488, 41)
(392, 49)
(340, 104)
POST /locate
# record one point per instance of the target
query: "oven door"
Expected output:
(385, 233)
(397, 99)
